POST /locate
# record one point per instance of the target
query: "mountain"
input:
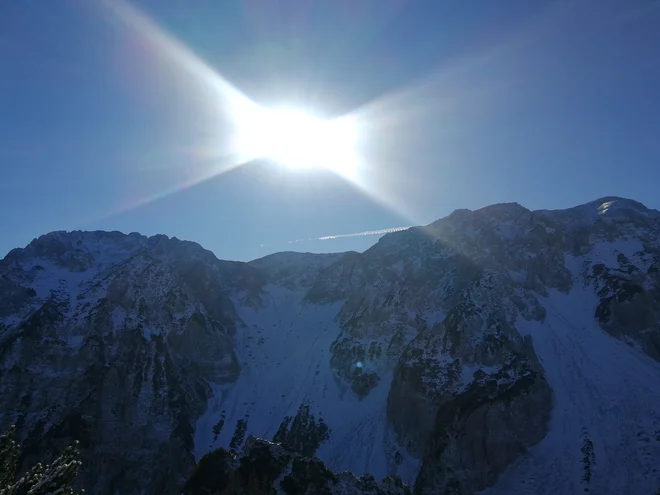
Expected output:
(495, 351)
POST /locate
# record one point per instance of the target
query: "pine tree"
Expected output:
(52, 479)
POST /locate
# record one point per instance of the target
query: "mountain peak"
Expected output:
(609, 204)
(505, 217)
(503, 207)
(606, 208)
(80, 250)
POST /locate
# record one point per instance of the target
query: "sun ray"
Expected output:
(220, 93)
(226, 101)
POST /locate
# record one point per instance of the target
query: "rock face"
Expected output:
(487, 351)
(113, 344)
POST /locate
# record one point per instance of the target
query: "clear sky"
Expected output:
(106, 122)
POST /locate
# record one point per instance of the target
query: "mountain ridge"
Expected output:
(599, 205)
(434, 355)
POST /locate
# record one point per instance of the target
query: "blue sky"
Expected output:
(547, 103)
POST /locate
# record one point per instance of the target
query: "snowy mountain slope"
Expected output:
(112, 340)
(501, 349)
(607, 400)
(284, 352)
(607, 393)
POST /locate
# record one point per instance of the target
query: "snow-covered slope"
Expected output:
(284, 352)
(498, 350)
(605, 428)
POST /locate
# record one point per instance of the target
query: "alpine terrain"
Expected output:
(498, 351)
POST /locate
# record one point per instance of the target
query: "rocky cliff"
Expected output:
(487, 351)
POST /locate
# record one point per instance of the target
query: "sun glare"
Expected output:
(240, 130)
(299, 140)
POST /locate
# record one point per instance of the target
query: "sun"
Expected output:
(298, 140)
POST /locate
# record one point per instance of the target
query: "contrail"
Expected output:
(356, 234)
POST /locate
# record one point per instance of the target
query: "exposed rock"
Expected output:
(117, 356)
(476, 354)
(303, 433)
(629, 293)
(295, 270)
(479, 433)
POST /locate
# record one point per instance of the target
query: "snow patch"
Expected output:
(75, 341)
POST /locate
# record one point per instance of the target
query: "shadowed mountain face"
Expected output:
(487, 351)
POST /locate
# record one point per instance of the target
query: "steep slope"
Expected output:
(114, 343)
(500, 349)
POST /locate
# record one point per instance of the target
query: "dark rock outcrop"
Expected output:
(264, 468)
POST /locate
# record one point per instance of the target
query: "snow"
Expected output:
(602, 209)
(10, 321)
(118, 316)
(518, 276)
(284, 351)
(604, 390)
(432, 316)
(75, 341)
(606, 252)
(469, 369)
(149, 331)
(49, 280)
(507, 229)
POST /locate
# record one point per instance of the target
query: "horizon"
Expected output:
(376, 236)
(118, 116)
